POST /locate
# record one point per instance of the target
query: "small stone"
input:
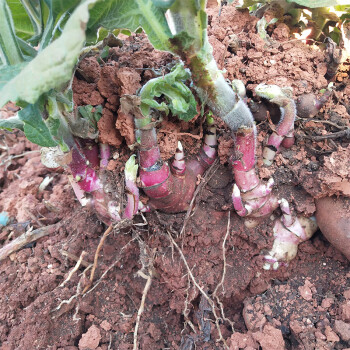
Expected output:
(347, 294)
(305, 292)
(320, 335)
(327, 302)
(241, 341)
(90, 339)
(345, 310)
(270, 338)
(343, 329)
(106, 325)
(296, 326)
(331, 336)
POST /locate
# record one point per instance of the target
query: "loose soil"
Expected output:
(305, 305)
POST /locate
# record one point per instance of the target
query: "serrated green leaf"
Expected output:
(11, 123)
(130, 14)
(34, 128)
(179, 97)
(54, 65)
(320, 3)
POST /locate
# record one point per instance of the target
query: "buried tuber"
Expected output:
(309, 105)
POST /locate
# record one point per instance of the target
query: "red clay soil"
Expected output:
(305, 305)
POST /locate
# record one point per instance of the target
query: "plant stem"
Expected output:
(188, 24)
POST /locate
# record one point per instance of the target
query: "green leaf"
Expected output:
(11, 123)
(57, 10)
(10, 52)
(27, 49)
(164, 4)
(189, 21)
(179, 97)
(105, 52)
(320, 3)
(35, 128)
(8, 72)
(91, 114)
(131, 169)
(53, 66)
(23, 25)
(130, 14)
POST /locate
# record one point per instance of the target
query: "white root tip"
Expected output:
(270, 183)
(266, 266)
(236, 191)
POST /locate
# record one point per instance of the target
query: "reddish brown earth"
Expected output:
(303, 306)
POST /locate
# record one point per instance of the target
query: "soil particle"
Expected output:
(108, 133)
(281, 32)
(85, 93)
(331, 336)
(125, 125)
(345, 310)
(129, 80)
(305, 290)
(107, 84)
(343, 329)
(242, 341)
(90, 69)
(91, 339)
(270, 338)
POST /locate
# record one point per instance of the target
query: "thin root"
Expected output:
(206, 296)
(74, 258)
(75, 268)
(142, 305)
(99, 247)
(221, 283)
(147, 259)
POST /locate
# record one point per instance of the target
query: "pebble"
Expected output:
(331, 336)
(343, 329)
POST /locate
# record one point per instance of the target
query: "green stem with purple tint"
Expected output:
(187, 21)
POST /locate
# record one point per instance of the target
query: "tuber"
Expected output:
(333, 218)
(309, 105)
